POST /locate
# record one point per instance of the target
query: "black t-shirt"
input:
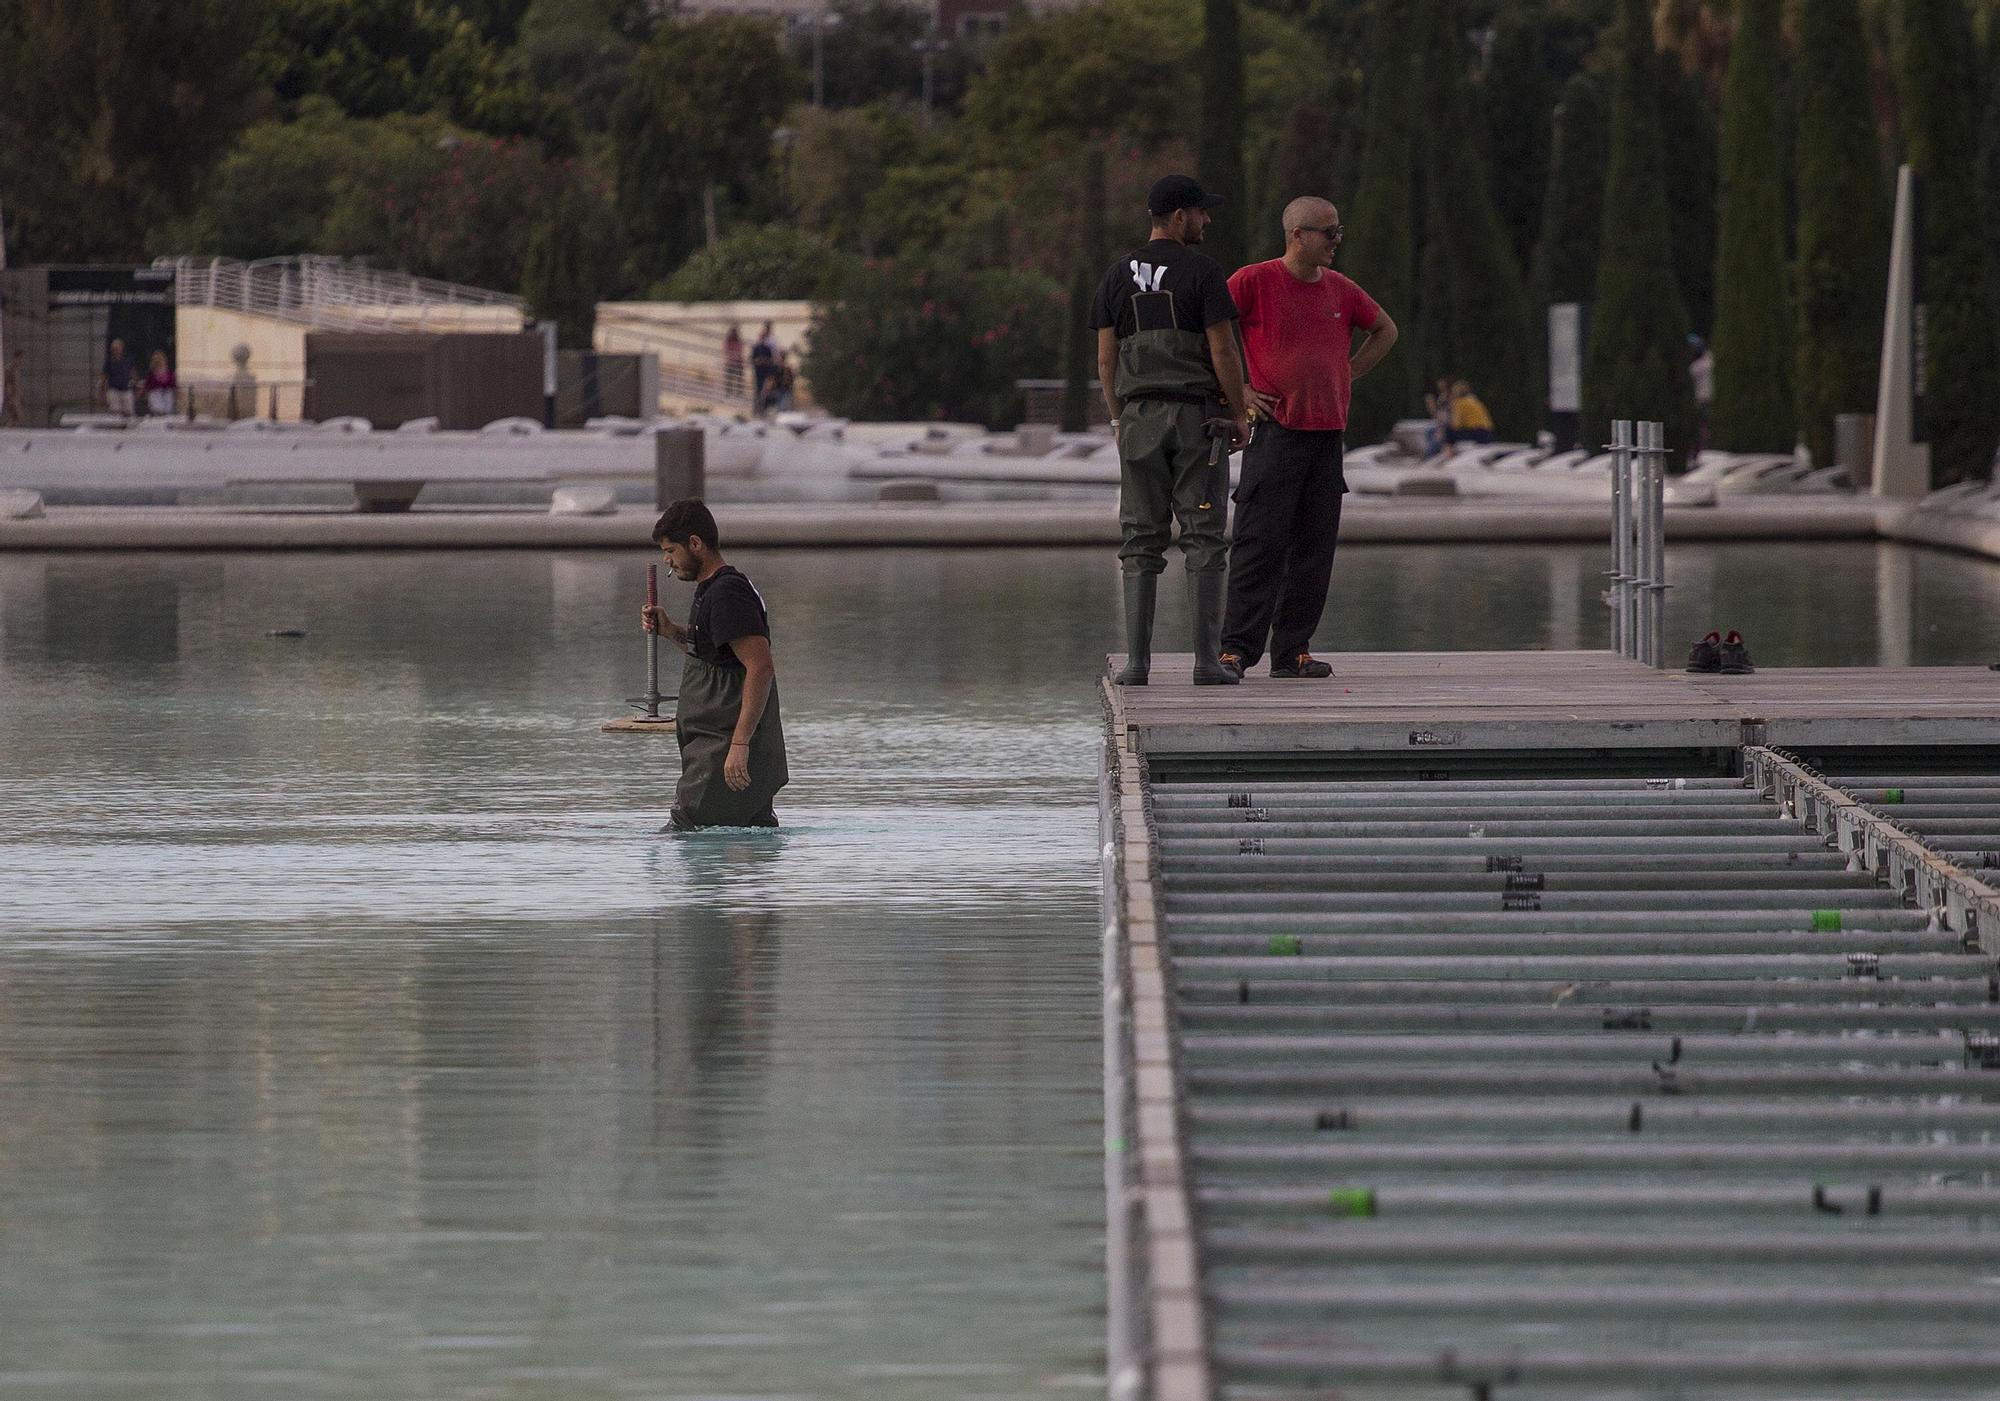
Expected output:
(1198, 291)
(726, 607)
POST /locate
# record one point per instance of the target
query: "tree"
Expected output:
(868, 53)
(1564, 267)
(772, 263)
(1472, 307)
(1537, 48)
(570, 260)
(1934, 80)
(692, 127)
(913, 340)
(276, 190)
(1520, 91)
(1752, 341)
(1118, 68)
(1687, 128)
(1636, 365)
(112, 114)
(1381, 252)
(1093, 254)
(1302, 163)
(374, 57)
(1843, 223)
(1219, 150)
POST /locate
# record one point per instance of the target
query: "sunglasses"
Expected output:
(1333, 232)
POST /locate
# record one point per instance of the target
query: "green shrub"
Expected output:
(907, 340)
(772, 263)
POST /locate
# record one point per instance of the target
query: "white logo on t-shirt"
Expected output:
(1148, 275)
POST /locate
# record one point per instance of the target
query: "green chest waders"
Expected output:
(705, 721)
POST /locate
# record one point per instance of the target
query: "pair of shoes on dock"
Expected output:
(1726, 655)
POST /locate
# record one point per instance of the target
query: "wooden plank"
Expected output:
(1529, 699)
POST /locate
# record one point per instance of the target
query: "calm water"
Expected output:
(359, 1037)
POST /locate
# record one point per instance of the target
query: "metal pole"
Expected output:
(652, 645)
(1652, 460)
(1642, 544)
(1621, 534)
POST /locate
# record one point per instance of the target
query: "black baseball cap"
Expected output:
(1171, 192)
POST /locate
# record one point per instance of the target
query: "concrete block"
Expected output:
(583, 501)
(907, 489)
(21, 505)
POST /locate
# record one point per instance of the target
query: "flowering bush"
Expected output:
(907, 340)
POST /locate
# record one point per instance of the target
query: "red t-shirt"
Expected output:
(1298, 337)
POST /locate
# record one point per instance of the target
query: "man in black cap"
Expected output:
(1166, 356)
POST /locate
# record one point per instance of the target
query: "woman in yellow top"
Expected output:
(1470, 422)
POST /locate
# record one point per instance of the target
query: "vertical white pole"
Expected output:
(1625, 555)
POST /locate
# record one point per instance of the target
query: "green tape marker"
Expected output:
(1892, 795)
(1352, 1201)
(1286, 945)
(1826, 921)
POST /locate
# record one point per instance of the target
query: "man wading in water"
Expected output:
(732, 744)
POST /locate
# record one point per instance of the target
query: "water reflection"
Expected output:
(359, 1035)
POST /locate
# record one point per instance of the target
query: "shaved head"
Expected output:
(1309, 211)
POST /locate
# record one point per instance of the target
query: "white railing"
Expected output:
(332, 293)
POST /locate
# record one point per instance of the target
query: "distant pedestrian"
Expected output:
(1437, 405)
(1470, 422)
(116, 380)
(732, 361)
(763, 360)
(1702, 372)
(160, 386)
(10, 390)
(1299, 322)
(1173, 381)
(782, 380)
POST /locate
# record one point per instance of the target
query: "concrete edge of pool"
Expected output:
(765, 525)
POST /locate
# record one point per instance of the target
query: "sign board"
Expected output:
(1566, 330)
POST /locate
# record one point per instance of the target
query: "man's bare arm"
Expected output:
(1107, 367)
(1373, 347)
(758, 674)
(1229, 374)
(1265, 404)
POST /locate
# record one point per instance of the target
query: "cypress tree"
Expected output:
(1636, 365)
(1752, 341)
(1564, 268)
(1843, 230)
(1687, 128)
(559, 274)
(1380, 251)
(1219, 151)
(1935, 82)
(1521, 90)
(1472, 306)
(1079, 340)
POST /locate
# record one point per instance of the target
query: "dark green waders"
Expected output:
(705, 721)
(1168, 469)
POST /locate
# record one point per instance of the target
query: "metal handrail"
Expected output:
(319, 291)
(1955, 898)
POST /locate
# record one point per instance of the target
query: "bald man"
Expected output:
(1298, 321)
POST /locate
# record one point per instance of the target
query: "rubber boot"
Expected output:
(1141, 590)
(1206, 591)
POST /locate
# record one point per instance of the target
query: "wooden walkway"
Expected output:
(1414, 701)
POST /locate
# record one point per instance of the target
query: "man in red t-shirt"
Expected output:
(1298, 319)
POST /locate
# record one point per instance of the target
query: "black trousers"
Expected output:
(1281, 551)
